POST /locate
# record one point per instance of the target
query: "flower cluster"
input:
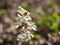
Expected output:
(25, 21)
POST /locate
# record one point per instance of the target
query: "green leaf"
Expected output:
(3, 12)
(55, 27)
(37, 36)
(55, 15)
(14, 17)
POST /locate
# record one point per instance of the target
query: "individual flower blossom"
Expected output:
(27, 18)
(22, 11)
(17, 26)
(20, 8)
(19, 18)
(31, 26)
(25, 36)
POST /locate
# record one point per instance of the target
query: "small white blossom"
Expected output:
(22, 11)
(27, 18)
(19, 18)
(25, 36)
(19, 15)
(16, 26)
(30, 23)
(31, 26)
(34, 27)
(20, 8)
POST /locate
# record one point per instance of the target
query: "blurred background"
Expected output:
(45, 14)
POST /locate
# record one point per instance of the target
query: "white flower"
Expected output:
(16, 26)
(22, 11)
(23, 29)
(20, 8)
(28, 32)
(31, 26)
(30, 23)
(32, 35)
(19, 18)
(27, 18)
(23, 18)
(25, 36)
(20, 37)
(19, 15)
(34, 27)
